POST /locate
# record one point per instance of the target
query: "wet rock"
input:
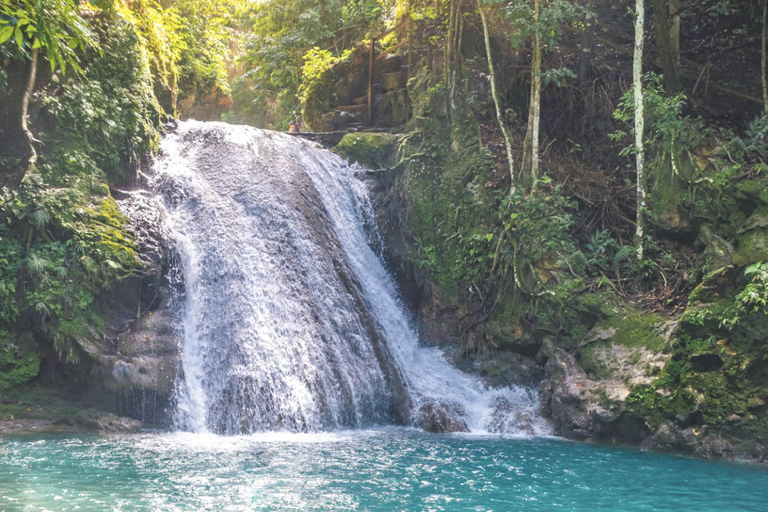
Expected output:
(140, 367)
(582, 407)
(565, 395)
(107, 422)
(598, 334)
(667, 438)
(441, 418)
(504, 369)
(133, 361)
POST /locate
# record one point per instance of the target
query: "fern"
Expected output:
(40, 218)
(36, 264)
(624, 254)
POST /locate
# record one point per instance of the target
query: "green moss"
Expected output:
(593, 364)
(667, 205)
(604, 303)
(717, 374)
(373, 150)
(33, 401)
(19, 360)
(754, 189)
(751, 247)
(636, 329)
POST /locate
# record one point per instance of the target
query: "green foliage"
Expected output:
(74, 249)
(281, 35)
(317, 63)
(539, 224)
(63, 238)
(208, 32)
(109, 118)
(667, 129)
(54, 26)
(558, 76)
(729, 312)
(11, 253)
(555, 15)
(19, 360)
(754, 296)
(158, 34)
(319, 77)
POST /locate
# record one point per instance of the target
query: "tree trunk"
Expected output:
(456, 55)
(637, 73)
(763, 57)
(25, 108)
(587, 44)
(668, 57)
(496, 99)
(536, 96)
(674, 28)
(448, 57)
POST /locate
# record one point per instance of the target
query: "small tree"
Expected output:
(497, 101)
(53, 26)
(639, 125)
(541, 22)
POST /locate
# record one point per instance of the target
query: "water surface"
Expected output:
(384, 470)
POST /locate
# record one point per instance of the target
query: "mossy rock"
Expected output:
(752, 240)
(602, 303)
(373, 150)
(637, 329)
(19, 360)
(754, 190)
(669, 215)
(714, 286)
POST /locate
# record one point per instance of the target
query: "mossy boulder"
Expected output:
(19, 360)
(752, 239)
(669, 215)
(371, 149)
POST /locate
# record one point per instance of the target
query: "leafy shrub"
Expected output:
(19, 359)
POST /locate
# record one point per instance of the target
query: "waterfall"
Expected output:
(290, 319)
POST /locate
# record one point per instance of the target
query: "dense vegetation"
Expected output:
(556, 164)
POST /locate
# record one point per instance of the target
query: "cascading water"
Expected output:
(290, 320)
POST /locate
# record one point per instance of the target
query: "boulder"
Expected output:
(583, 407)
(752, 239)
(717, 250)
(441, 418)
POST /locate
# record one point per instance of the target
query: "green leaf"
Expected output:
(72, 43)
(5, 34)
(19, 37)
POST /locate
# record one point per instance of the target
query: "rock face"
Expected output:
(141, 371)
(134, 361)
(585, 408)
